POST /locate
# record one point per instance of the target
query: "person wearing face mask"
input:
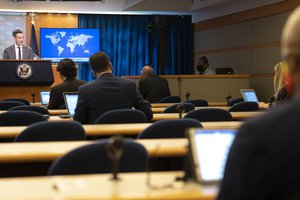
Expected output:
(18, 50)
(107, 92)
(203, 67)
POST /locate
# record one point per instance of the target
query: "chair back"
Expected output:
(24, 101)
(6, 105)
(169, 129)
(209, 115)
(37, 109)
(122, 116)
(174, 108)
(198, 102)
(92, 158)
(20, 118)
(52, 131)
(170, 99)
(244, 107)
(234, 101)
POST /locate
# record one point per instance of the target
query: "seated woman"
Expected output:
(281, 93)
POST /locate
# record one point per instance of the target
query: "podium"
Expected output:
(22, 78)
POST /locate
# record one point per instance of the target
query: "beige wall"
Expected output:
(250, 45)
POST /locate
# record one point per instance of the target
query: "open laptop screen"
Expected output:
(71, 101)
(209, 152)
(249, 95)
(45, 96)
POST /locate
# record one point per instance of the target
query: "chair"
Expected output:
(169, 129)
(20, 118)
(37, 109)
(122, 116)
(234, 101)
(52, 131)
(24, 101)
(92, 158)
(197, 102)
(174, 108)
(170, 99)
(244, 107)
(209, 115)
(6, 105)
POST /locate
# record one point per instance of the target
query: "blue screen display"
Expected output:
(75, 43)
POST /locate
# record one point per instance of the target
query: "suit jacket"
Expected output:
(10, 53)
(56, 94)
(108, 92)
(264, 160)
(154, 89)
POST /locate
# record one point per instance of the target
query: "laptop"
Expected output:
(45, 96)
(209, 151)
(70, 102)
(224, 70)
(249, 95)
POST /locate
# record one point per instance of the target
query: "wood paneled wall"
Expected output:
(45, 20)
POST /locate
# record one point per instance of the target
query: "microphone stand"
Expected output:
(180, 108)
(114, 150)
(33, 98)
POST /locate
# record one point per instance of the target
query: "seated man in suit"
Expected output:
(107, 92)
(203, 66)
(18, 51)
(68, 72)
(264, 159)
(153, 88)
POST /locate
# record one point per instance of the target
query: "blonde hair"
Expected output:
(281, 71)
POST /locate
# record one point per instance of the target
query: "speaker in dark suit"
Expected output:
(18, 51)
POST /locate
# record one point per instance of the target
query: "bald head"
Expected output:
(147, 71)
(290, 50)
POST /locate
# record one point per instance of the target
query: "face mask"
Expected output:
(200, 68)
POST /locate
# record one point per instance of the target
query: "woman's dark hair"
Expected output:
(67, 68)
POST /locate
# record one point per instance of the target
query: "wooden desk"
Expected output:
(116, 129)
(48, 151)
(235, 115)
(131, 186)
(164, 105)
(161, 109)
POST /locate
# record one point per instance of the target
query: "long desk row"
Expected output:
(130, 186)
(116, 129)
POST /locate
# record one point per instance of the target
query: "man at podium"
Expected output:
(18, 51)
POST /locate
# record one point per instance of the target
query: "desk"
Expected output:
(131, 186)
(161, 109)
(48, 151)
(164, 105)
(235, 115)
(116, 129)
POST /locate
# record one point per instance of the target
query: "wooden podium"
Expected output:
(23, 78)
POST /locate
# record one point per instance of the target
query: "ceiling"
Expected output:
(199, 9)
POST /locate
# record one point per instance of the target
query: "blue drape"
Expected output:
(128, 42)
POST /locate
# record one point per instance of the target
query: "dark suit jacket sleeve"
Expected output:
(53, 103)
(5, 54)
(143, 105)
(141, 87)
(81, 112)
(247, 167)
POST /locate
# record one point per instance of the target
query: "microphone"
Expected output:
(187, 96)
(114, 150)
(228, 99)
(180, 108)
(33, 98)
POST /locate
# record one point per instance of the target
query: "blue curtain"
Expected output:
(134, 40)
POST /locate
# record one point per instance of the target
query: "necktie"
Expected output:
(19, 53)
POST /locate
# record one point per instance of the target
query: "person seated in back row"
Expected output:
(68, 72)
(107, 92)
(153, 88)
(203, 66)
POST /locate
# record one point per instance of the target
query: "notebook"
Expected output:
(45, 96)
(209, 151)
(249, 95)
(70, 102)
